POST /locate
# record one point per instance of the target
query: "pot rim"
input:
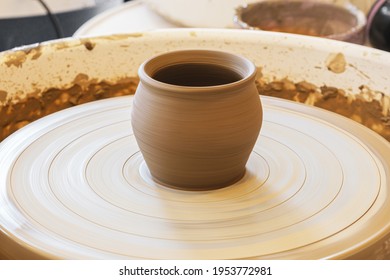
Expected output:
(239, 64)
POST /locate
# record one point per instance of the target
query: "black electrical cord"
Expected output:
(54, 20)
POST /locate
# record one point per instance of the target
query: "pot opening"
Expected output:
(196, 75)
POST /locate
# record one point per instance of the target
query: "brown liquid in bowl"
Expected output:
(299, 17)
(294, 29)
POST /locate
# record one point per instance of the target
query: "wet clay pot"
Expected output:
(196, 117)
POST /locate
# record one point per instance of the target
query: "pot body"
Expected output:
(194, 134)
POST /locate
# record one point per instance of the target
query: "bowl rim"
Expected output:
(361, 20)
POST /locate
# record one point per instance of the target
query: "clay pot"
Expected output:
(196, 117)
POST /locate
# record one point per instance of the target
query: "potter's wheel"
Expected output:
(74, 185)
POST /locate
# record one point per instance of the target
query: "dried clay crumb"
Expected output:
(336, 63)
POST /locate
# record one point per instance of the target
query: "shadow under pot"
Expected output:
(196, 117)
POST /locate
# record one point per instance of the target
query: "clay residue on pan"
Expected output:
(15, 115)
(135, 35)
(89, 45)
(34, 52)
(83, 81)
(124, 80)
(359, 71)
(368, 107)
(3, 96)
(123, 36)
(17, 58)
(336, 63)
(369, 95)
(61, 45)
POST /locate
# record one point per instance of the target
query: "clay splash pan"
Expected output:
(73, 185)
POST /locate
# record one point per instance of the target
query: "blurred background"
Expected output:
(29, 21)
(24, 22)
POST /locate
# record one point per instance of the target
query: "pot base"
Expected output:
(202, 187)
